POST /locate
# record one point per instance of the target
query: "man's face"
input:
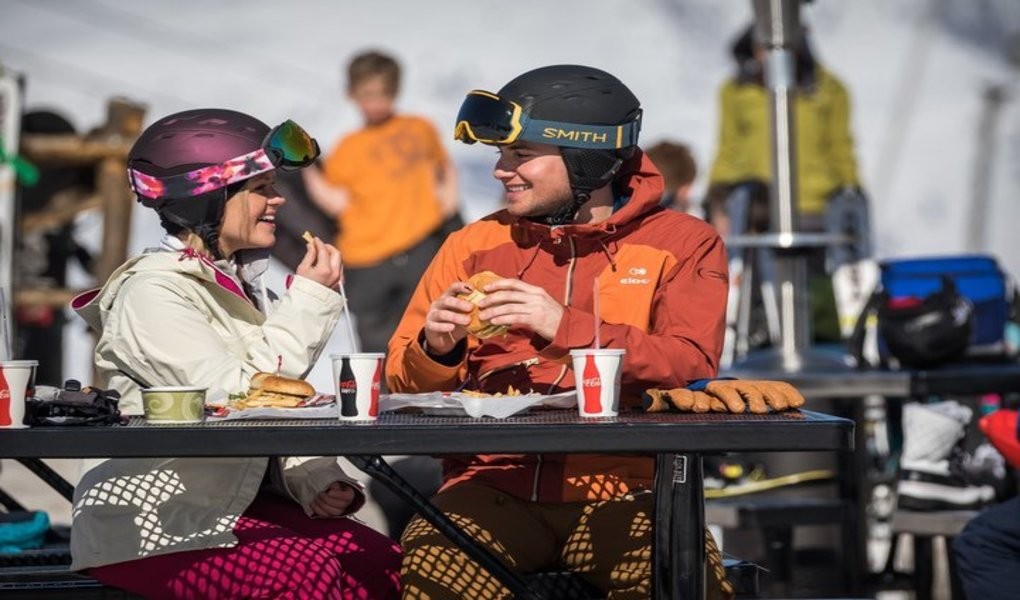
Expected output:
(534, 178)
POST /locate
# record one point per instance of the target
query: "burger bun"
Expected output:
(477, 327)
(267, 389)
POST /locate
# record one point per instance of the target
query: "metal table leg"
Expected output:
(9, 503)
(375, 466)
(49, 476)
(678, 547)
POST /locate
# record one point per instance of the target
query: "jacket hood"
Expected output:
(92, 304)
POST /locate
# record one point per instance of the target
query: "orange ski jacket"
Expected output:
(662, 294)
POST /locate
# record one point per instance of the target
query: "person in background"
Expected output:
(582, 204)
(393, 190)
(824, 158)
(194, 312)
(676, 163)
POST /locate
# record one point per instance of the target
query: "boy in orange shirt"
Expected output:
(391, 187)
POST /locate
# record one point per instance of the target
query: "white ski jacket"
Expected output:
(172, 317)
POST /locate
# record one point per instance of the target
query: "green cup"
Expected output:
(174, 404)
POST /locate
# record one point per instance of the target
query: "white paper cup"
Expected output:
(17, 382)
(176, 404)
(597, 379)
(357, 379)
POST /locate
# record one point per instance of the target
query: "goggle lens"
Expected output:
(487, 118)
(291, 145)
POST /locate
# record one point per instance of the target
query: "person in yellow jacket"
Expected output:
(825, 159)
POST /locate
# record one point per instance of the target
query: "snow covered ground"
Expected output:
(917, 71)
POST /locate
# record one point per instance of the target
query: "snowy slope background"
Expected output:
(917, 71)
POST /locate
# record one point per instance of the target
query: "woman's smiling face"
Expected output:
(249, 218)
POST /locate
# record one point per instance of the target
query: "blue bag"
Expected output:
(977, 278)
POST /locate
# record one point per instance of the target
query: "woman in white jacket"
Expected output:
(193, 312)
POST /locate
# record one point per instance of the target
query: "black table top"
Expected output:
(559, 431)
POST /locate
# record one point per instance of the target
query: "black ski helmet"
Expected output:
(576, 95)
(190, 140)
(929, 331)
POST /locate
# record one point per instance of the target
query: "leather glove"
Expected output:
(725, 395)
(680, 399)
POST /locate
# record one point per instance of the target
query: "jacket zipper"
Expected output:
(567, 293)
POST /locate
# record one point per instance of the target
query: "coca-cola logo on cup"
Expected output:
(373, 405)
(348, 386)
(591, 385)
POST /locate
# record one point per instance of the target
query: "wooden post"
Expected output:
(106, 147)
(111, 185)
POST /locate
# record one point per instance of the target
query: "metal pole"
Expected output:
(11, 91)
(977, 218)
(777, 27)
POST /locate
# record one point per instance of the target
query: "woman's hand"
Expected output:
(447, 319)
(321, 264)
(334, 501)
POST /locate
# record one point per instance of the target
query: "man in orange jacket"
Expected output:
(582, 204)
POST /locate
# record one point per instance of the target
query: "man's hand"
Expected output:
(517, 304)
(447, 319)
(321, 263)
(334, 500)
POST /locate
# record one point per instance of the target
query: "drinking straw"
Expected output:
(6, 326)
(347, 314)
(598, 319)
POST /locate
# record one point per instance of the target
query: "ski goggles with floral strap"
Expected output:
(287, 146)
(485, 117)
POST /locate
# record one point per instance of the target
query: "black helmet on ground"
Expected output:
(590, 114)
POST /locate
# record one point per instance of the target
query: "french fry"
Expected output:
(307, 236)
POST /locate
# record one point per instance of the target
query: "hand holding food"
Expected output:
(321, 263)
(477, 327)
(513, 303)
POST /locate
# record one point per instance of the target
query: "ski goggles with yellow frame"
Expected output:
(485, 117)
(287, 146)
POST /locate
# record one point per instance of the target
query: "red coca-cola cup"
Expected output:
(597, 379)
(17, 382)
(357, 378)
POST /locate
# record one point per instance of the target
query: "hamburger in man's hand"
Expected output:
(479, 328)
(267, 389)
